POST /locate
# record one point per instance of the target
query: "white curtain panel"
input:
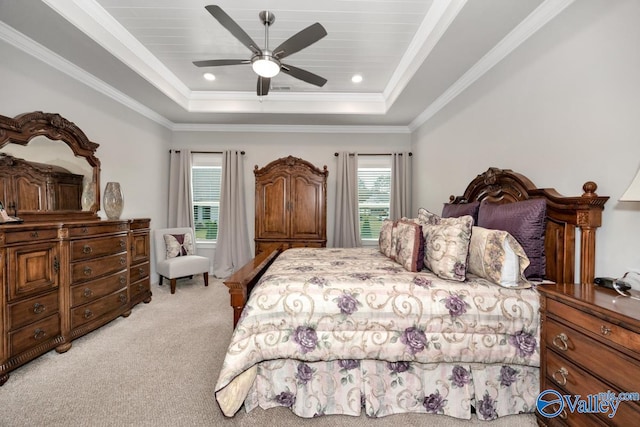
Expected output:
(346, 233)
(180, 200)
(400, 185)
(232, 249)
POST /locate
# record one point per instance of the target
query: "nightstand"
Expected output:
(590, 344)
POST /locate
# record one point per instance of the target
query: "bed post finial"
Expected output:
(589, 189)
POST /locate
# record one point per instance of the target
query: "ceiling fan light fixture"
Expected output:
(209, 76)
(265, 66)
(357, 78)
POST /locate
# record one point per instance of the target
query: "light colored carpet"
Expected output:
(158, 367)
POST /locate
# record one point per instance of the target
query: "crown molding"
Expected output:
(529, 26)
(197, 127)
(41, 53)
(435, 23)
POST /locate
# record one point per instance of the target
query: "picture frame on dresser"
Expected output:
(65, 272)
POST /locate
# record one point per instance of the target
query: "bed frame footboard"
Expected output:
(242, 281)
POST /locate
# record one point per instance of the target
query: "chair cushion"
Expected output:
(182, 266)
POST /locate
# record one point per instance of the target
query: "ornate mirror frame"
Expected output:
(24, 127)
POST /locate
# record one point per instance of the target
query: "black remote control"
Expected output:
(607, 282)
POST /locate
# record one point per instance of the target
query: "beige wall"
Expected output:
(562, 109)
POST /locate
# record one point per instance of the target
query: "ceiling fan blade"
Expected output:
(263, 86)
(300, 40)
(304, 75)
(218, 62)
(235, 29)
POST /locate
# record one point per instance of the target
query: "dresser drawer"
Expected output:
(31, 235)
(34, 334)
(93, 248)
(137, 272)
(595, 325)
(81, 230)
(92, 311)
(605, 362)
(575, 381)
(88, 270)
(139, 287)
(92, 290)
(33, 309)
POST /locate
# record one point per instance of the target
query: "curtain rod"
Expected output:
(374, 154)
(204, 152)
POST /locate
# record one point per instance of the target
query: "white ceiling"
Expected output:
(414, 55)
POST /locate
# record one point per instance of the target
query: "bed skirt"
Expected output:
(346, 387)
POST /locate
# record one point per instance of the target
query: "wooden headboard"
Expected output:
(564, 214)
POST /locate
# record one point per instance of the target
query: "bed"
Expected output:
(340, 331)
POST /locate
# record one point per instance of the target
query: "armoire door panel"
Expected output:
(306, 209)
(30, 196)
(273, 208)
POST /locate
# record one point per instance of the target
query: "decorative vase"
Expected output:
(88, 195)
(113, 200)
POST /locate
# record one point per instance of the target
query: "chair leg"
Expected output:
(160, 281)
(173, 286)
(206, 278)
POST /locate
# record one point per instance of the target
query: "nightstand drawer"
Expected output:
(575, 381)
(595, 325)
(602, 361)
(567, 417)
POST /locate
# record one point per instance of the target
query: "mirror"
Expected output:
(48, 169)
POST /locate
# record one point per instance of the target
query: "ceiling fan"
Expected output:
(268, 63)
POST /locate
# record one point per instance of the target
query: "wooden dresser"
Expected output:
(291, 208)
(63, 280)
(590, 344)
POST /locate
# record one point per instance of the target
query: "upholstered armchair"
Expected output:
(176, 257)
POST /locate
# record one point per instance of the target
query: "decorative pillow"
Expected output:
(498, 257)
(454, 210)
(409, 245)
(385, 239)
(446, 244)
(178, 244)
(526, 221)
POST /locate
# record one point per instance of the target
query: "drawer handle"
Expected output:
(563, 414)
(123, 261)
(86, 249)
(605, 330)
(39, 334)
(88, 314)
(85, 230)
(141, 271)
(123, 244)
(38, 308)
(140, 287)
(122, 298)
(87, 292)
(562, 373)
(88, 271)
(34, 234)
(561, 341)
(123, 280)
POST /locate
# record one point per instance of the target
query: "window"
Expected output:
(374, 194)
(206, 177)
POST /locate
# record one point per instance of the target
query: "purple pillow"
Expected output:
(456, 210)
(526, 221)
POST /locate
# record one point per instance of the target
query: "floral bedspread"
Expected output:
(356, 306)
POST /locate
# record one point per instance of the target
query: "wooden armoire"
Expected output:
(291, 205)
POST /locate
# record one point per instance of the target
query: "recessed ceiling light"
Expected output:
(209, 76)
(357, 78)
